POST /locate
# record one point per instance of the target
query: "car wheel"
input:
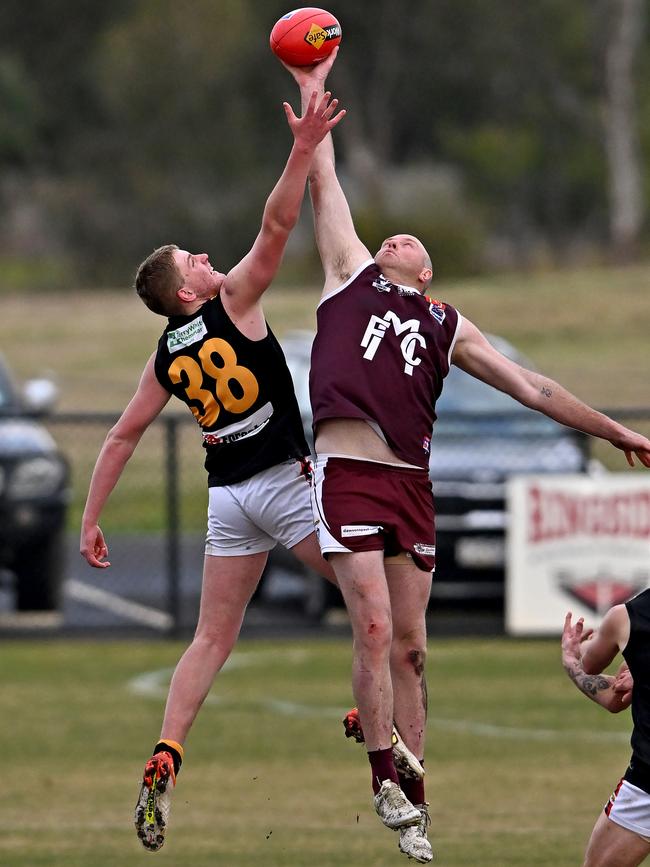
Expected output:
(39, 574)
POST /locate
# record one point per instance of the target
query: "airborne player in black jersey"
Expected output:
(219, 356)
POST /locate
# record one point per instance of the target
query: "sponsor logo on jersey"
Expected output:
(437, 310)
(382, 284)
(240, 430)
(186, 335)
(377, 329)
(359, 530)
(426, 444)
(424, 549)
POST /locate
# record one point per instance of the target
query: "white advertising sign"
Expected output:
(574, 543)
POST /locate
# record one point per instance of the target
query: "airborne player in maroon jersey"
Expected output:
(381, 354)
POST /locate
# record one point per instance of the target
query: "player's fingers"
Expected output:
(289, 112)
(629, 457)
(327, 64)
(312, 101)
(337, 119)
(324, 103)
(329, 112)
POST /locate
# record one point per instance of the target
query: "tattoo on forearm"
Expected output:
(546, 391)
(590, 684)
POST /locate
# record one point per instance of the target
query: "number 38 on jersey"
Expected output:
(235, 387)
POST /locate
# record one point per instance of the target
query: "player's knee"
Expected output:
(211, 639)
(374, 634)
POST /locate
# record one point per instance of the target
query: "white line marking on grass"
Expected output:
(155, 684)
(117, 605)
(520, 733)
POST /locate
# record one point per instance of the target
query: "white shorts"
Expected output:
(629, 807)
(251, 516)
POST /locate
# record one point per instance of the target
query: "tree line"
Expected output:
(503, 133)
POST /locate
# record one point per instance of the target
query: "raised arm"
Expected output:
(474, 354)
(245, 283)
(603, 689)
(119, 445)
(340, 249)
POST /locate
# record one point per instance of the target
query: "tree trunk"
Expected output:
(626, 208)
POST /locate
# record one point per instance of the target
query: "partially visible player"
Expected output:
(218, 356)
(621, 835)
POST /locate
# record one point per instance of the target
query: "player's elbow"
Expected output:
(320, 174)
(276, 227)
(590, 666)
(122, 439)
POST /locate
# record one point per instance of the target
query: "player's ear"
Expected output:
(425, 276)
(186, 295)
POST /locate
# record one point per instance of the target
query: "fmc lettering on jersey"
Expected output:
(376, 331)
(558, 515)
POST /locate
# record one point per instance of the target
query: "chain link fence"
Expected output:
(154, 524)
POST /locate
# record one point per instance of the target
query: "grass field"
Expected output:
(587, 328)
(518, 762)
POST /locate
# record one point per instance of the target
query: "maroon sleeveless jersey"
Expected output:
(381, 353)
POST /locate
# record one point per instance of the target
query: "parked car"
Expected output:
(34, 493)
(481, 438)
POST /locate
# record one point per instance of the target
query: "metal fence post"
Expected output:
(173, 528)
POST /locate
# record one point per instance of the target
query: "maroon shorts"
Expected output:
(365, 506)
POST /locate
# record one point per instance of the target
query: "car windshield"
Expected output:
(298, 365)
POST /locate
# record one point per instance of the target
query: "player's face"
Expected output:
(198, 274)
(404, 257)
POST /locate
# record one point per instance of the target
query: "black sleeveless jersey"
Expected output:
(637, 656)
(239, 390)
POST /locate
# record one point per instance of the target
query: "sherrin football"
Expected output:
(305, 36)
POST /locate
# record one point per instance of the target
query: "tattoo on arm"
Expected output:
(590, 684)
(546, 391)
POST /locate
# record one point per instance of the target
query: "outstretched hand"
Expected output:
(318, 119)
(313, 76)
(632, 444)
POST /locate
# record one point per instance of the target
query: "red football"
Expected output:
(305, 36)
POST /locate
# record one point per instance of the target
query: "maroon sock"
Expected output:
(413, 789)
(383, 767)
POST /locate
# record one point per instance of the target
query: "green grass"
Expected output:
(519, 764)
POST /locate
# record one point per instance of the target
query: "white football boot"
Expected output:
(394, 808)
(413, 839)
